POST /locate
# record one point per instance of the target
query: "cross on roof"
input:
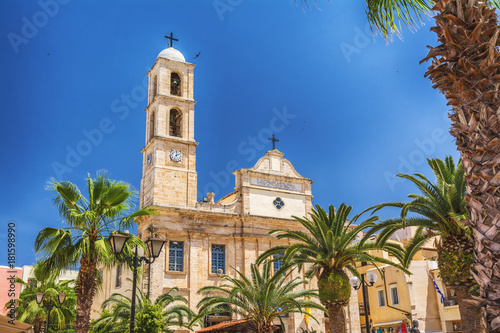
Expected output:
(274, 140)
(171, 37)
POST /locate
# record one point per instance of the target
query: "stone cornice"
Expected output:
(170, 139)
(169, 97)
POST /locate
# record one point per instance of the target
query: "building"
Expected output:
(65, 275)
(208, 238)
(397, 300)
(448, 306)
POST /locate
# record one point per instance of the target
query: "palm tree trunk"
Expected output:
(470, 312)
(336, 318)
(264, 327)
(465, 68)
(38, 325)
(85, 290)
(455, 257)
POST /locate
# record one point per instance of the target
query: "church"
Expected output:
(209, 238)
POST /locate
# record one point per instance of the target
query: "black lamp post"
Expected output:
(48, 305)
(356, 283)
(154, 246)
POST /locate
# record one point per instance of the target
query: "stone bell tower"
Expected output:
(169, 156)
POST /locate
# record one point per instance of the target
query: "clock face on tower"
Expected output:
(175, 155)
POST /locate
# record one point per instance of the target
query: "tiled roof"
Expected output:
(244, 325)
(244, 322)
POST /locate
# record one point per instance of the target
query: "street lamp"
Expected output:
(154, 246)
(48, 305)
(356, 283)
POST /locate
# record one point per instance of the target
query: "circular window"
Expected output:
(278, 203)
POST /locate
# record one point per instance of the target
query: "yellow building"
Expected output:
(397, 299)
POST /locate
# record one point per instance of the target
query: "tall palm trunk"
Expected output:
(85, 290)
(336, 318)
(465, 68)
(454, 261)
(470, 312)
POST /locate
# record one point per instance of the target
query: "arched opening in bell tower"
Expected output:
(175, 122)
(151, 125)
(175, 84)
(155, 87)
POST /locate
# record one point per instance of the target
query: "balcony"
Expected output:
(450, 301)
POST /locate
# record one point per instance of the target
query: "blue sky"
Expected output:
(352, 109)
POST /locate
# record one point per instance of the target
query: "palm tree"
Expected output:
(465, 68)
(83, 243)
(28, 310)
(440, 209)
(330, 247)
(162, 314)
(261, 298)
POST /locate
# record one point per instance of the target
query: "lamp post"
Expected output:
(356, 283)
(48, 305)
(154, 246)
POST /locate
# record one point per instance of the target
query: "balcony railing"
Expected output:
(450, 301)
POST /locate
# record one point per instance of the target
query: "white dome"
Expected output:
(172, 54)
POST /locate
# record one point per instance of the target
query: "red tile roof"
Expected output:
(244, 325)
(225, 325)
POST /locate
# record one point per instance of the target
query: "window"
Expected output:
(279, 263)
(118, 282)
(175, 84)
(218, 258)
(457, 326)
(32, 283)
(174, 125)
(176, 256)
(381, 298)
(155, 86)
(151, 125)
(394, 295)
(278, 203)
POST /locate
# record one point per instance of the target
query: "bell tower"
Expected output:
(169, 156)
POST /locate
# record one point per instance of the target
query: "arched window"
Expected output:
(175, 84)
(174, 125)
(155, 87)
(151, 125)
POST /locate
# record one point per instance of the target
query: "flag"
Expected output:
(308, 312)
(306, 316)
(437, 289)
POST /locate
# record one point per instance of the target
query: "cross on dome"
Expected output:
(171, 37)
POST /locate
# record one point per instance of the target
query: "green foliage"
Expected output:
(115, 317)
(30, 312)
(100, 328)
(330, 245)
(437, 211)
(150, 318)
(335, 286)
(90, 221)
(454, 267)
(303, 330)
(261, 298)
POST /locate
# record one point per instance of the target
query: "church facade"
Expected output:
(209, 238)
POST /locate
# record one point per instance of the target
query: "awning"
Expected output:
(388, 323)
(19, 327)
